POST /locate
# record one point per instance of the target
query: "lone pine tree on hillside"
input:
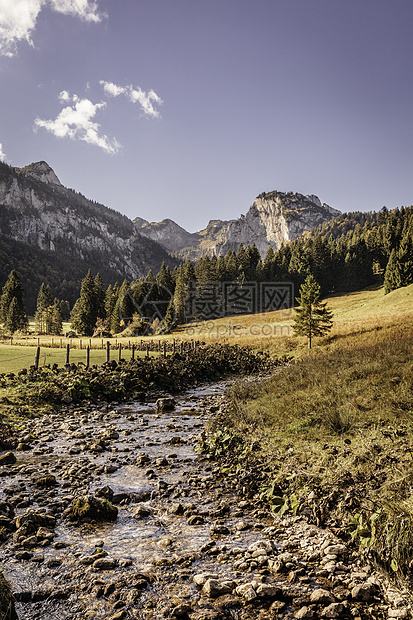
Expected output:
(312, 317)
(12, 307)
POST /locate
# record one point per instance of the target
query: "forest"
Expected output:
(352, 252)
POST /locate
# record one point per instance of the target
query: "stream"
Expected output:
(183, 545)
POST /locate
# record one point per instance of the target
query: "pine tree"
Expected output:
(170, 319)
(111, 298)
(399, 270)
(84, 311)
(126, 306)
(100, 295)
(11, 324)
(312, 317)
(56, 324)
(115, 319)
(44, 300)
(12, 307)
(180, 296)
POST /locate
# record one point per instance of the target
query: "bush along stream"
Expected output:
(152, 509)
(53, 386)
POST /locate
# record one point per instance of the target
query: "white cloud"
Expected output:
(75, 122)
(85, 9)
(146, 100)
(18, 18)
(2, 155)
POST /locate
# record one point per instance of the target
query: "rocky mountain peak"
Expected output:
(273, 218)
(41, 171)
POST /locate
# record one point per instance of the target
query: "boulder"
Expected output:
(8, 458)
(88, 507)
(165, 404)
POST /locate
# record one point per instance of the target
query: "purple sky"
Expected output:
(189, 109)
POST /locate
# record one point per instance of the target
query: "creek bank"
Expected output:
(183, 544)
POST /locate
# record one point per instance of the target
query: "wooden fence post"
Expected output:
(67, 354)
(119, 352)
(133, 352)
(147, 349)
(36, 358)
(107, 351)
(173, 347)
(87, 357)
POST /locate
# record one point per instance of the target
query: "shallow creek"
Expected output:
(176, 519)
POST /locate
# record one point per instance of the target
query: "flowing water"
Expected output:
(50, 583)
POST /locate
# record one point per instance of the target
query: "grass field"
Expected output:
(354, 313)
(14, 358)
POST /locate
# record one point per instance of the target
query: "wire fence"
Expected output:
(82, 351)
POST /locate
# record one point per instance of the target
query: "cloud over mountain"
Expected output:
(76, 122)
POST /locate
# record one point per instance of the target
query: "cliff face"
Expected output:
(37, 209)
(170, 235)
(273, 218)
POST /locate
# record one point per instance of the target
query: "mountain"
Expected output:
(273, 218)
(65, 234)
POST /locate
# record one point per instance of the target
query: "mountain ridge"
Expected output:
(37, 209)
(273, 218)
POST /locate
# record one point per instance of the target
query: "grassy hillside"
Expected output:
(353, 313)
(333, 431)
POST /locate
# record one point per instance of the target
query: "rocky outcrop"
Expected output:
(37, 209)
(273, 218)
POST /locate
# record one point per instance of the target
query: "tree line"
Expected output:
(349, 253)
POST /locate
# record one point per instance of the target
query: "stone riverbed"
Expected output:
(183, 545)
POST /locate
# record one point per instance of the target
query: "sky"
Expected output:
(188, 109)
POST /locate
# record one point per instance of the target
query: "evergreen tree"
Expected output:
(405, 258)
(125, 305)
(56, 319)
(312, 317)
(12, 307)
(100, 295)
(165, 281)
(83, 315)
(64, 309)
(399, 270)
(180, 296)
(115, 318)
(251, 259)
(44, 300)
(111, 298)
(170, 319)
